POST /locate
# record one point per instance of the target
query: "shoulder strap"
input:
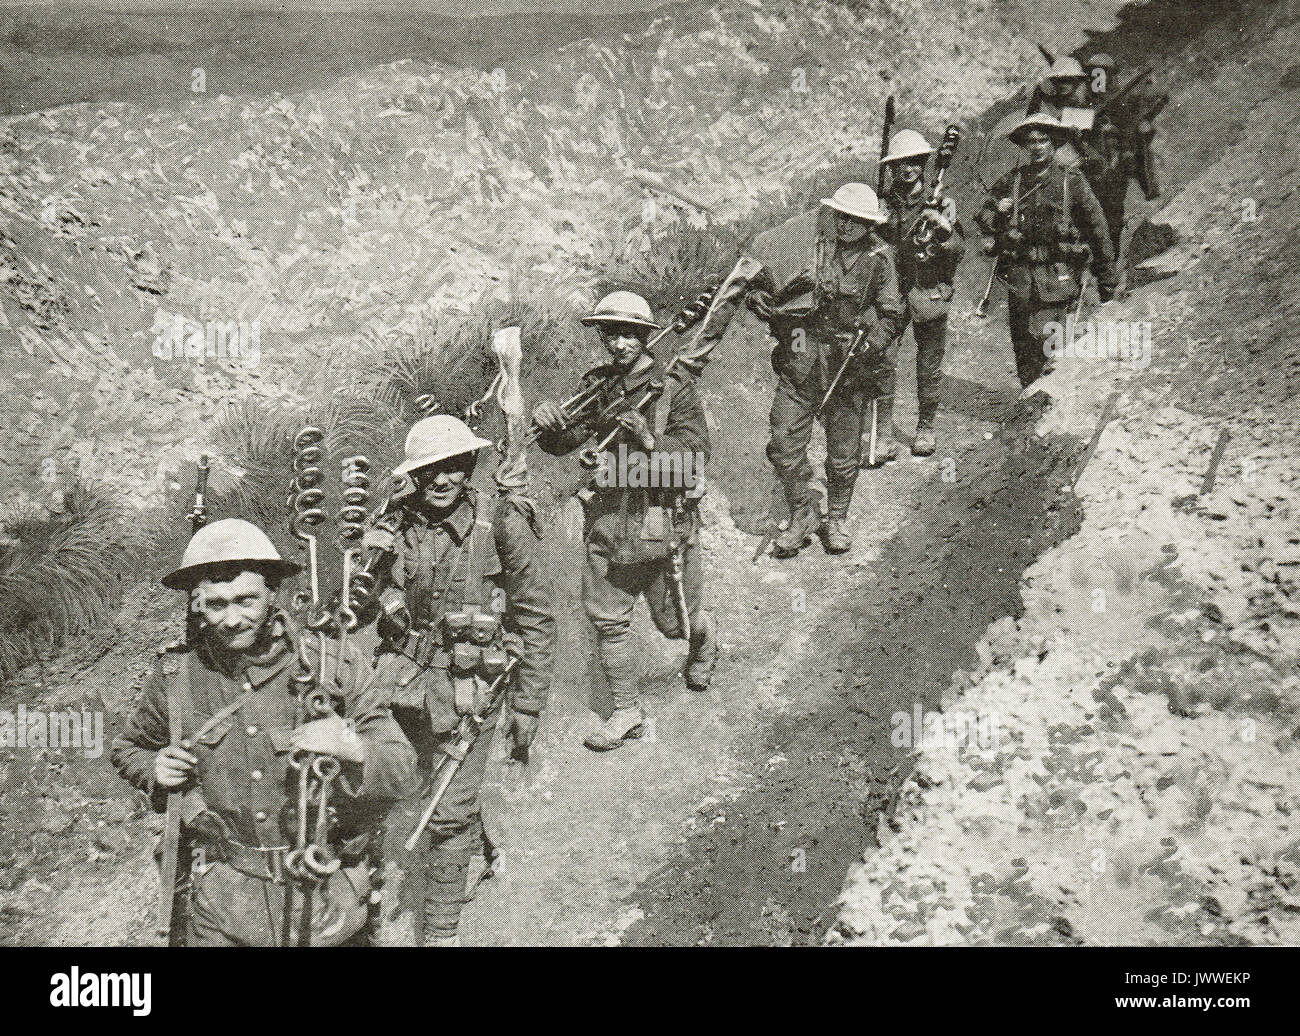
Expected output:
(223, 714)
(1015, 199)
(663, 405)
(178, 691)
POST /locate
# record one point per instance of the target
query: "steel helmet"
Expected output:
(1102, 60)
(856, 199)
(1039, 120)
(1066, 67)
(227, 540)
(436, 438)
(907, 144)
(622, 307)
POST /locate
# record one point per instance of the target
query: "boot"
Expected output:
(624, 724)
(445, 876)
(886, 447)
(838, 540)
(923, 445)
(703, 654)
(803, 522)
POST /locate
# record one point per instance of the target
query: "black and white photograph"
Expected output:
(618, 474)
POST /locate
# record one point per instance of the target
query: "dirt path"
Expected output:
(737, 823)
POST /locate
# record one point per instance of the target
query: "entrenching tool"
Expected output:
(197, 517)
(849, 353)
(1078, 306)
(982, 310)
(679, 590)
(467, 732)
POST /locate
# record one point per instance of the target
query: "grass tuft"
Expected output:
(60, 574)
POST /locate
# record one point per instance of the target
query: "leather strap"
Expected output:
(223, 714)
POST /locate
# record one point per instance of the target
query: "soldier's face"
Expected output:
(234, 611)
(849, 228)
(909, 170)
(442, 484)
(1038, 145)
(623, 342)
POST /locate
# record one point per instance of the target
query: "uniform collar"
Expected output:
(457, 522)
(914, 196)
(261, 667)
(632, 382)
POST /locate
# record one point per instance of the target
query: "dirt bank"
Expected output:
(788, 755)
(1143, 787)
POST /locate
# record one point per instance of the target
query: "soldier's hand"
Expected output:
(378, 539)
(760, 303)
(330, 735)
(634, 423)
(1004, 205)
(548, 416)
(948, 210)
(172, 766)
(523, 728)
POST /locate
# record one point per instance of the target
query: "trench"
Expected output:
(769, 866)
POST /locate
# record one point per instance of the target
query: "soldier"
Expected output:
(1066, 94)
(925, 271)
(1064, 86)
(459, 592)
(1125, 133)
(639, 540)
(230, 689)
(1046, 226)
(822, 277)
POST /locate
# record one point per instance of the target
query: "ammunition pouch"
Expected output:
(468, 646)
(1076, 253)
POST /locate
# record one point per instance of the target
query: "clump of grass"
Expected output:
(681, 262)
(453, 361)
(60, 574)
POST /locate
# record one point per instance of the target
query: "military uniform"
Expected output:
(631, 532)
(1125, 136)
(925, 285)
(475, 595)
(823, 292)
(1042, 279)
(236, 807)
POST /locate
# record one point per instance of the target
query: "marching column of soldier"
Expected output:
(289, 751)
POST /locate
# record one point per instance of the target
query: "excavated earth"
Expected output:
(737, 820)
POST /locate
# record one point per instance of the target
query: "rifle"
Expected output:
(885, 128)
(579, 406)
(684, 321)
(467, 732)
(982, 310)
(1118, 94)
(197, 517)
(1048, 56)
(922, 232)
